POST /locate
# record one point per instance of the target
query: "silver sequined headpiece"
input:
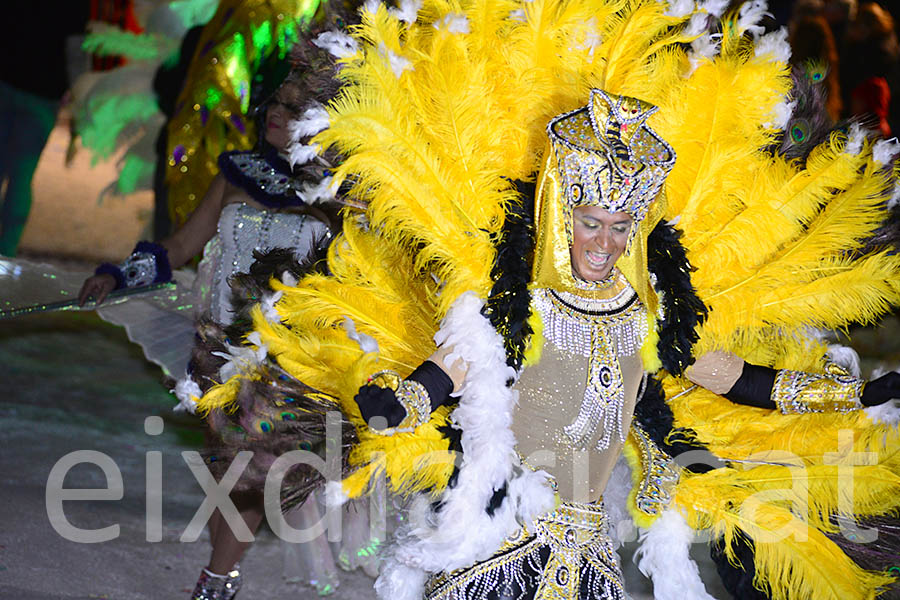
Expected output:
(608, 156)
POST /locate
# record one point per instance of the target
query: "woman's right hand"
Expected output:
(98, 287)
(375, 401)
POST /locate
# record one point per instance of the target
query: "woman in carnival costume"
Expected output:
(261, 200)
(504, 355)
(267, 207)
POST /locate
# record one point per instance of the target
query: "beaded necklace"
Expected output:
(602, 330)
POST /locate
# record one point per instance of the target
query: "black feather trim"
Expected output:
(509, 303)
(454, 437)
(454, 441)
(497, 499)
(206, 355)
(737, 578)
(683, 310)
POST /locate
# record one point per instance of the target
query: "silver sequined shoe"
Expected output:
(217, 587)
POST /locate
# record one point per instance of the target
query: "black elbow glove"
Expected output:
(377, 401)
(878, 391)
(753, 387)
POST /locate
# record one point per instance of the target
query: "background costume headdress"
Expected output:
(603, 154)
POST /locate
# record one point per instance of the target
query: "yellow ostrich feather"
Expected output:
(631, 36)
(792, 559)
(812, 280)
(372, 284)
(411, 462)
(737, 432)
(220, 396)
(713, 122)
(780, 260)
(781, 198)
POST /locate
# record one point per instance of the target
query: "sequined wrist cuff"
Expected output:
(148, 263)
(797, 392)
(415, 399)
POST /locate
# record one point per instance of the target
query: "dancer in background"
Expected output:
(257, 204)
(240, 43)
(872, 74)
(184, 99)
(813, 45)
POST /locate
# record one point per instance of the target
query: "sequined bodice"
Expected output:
(576, 405)
(241, 230)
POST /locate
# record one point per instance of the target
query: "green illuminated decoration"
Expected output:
(107, 120)
(213, 97)
(308, 9)
(262, 37)
(240, 47)
(136, 172)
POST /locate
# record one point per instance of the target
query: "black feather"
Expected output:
(683, 310)
(247, 289)
(737, 578)
(509, 303)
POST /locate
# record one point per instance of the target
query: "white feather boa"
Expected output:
(663, 557)
(461, 532)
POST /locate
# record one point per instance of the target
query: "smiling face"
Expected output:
(284, 106)
(598, 239)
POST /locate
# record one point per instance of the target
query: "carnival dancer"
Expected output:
(559, 336)
(258, 204)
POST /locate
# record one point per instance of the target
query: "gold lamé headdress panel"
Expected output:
(603, 154)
